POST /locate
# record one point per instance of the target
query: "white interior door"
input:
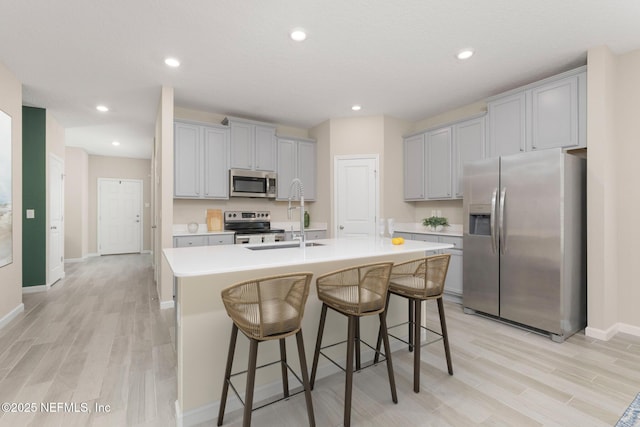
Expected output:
(356, 194)
(56, 217)
(119, 216)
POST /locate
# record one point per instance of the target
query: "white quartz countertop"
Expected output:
(205, 260)
(454, 230)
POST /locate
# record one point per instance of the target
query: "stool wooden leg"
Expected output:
(351, 329)
(445, 335)
(412, 323)
(417, 308)
(387, 351)
(251, 377)
(376, 358)
(283, 366)
(316, 353)
(357, 344)
(227, 373)
(305, 378)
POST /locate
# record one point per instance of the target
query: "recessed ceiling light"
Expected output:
(356, 108)
(102, 108)
(298, 34)
(116, 143)
(172, 62)
(465, 54)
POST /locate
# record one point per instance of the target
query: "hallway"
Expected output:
(96, 337)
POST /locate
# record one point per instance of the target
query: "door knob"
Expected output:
(342, 227)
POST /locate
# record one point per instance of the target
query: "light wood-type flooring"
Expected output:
(99, 337)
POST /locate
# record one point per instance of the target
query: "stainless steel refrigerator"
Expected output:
(525, 240)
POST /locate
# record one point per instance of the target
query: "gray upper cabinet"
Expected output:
(507, 131)
(296, 159)
(414, 157)
(434, 160)
(439, 164)
(468, 143)
(547, 114)
(186, 158)
(253, 145)
(201, 161)
(556, 109)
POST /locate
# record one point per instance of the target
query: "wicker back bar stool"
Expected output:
(420, 280)
(268, 308)
(354, 292)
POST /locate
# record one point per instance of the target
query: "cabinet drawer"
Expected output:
(222, 239)
(455, 241)
(425, 238)
(186, 241)
(315, 235)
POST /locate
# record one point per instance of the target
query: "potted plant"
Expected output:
(435, 223)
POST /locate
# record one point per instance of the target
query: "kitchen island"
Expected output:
(203, 327)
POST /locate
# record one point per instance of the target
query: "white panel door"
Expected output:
(119, 216)
(56, 223)
(356, 189)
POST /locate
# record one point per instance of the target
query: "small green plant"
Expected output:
(435, 221)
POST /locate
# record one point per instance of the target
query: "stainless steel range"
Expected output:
(252, 227)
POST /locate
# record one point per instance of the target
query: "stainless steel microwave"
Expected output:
(246, 183)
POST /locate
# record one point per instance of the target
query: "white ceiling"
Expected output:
(394, 58)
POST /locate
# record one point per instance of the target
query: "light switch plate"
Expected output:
(31, 213)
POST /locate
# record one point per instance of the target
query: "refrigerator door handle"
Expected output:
(494, 212)
(503, 238)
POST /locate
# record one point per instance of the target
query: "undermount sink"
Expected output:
(288, 245)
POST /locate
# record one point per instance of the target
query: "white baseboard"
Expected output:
(72, 260)
(34, 289)
(167, 304)
(607, 334)
(11, 315)
(209, 412)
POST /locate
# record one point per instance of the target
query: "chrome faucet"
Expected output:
(301, 207)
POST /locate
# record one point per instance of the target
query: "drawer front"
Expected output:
(455, 241)
(406, 236)
(186, 241)
(222, 239)
(315, 235)
(426, 238)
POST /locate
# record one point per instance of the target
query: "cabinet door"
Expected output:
(216, 164)
(554, 117)
(265, 148)
(439, 164)
(453, 282)
(507, 125)
(242, 139)
(287, 157)
(187, 158)
(414, 168)
(468, 146)
(307, 168)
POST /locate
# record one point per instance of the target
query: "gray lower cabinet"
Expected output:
(453, 284)
(203, 240)
(308, 235)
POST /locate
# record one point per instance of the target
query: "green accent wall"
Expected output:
(34, 192)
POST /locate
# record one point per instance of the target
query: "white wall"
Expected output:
(11, 275)
(627, 114)
(76, 203)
